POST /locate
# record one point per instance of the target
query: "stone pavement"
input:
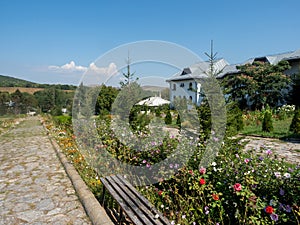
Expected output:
(34, 187)
(284, 149)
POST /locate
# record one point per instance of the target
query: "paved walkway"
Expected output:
(34, 187)
(284, 149)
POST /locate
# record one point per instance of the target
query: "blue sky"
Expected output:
(41, 39)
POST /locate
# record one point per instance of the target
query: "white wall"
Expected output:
(183, 90)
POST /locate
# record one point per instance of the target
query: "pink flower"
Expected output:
(269, 152)
(237, 187)
(247, 160)
(202, 170)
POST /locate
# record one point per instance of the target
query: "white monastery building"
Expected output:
(186, 84)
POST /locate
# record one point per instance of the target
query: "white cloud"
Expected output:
(93, 69)
(68, 67)
(109, 71)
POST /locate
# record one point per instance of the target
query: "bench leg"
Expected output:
(103, 196)
(121, 216)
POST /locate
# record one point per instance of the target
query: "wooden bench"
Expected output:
(138, 209)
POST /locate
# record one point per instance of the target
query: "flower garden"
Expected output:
(237, 188)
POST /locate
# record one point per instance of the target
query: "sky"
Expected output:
(61, 41)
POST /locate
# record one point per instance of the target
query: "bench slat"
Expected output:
(134, 196)
(144, 201)
(131, 204)
(123, 205)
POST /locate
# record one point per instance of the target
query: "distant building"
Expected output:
(186, 85)
(64, 110)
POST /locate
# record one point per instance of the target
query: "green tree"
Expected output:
(128, 76)
(80, 107)
(45, 99)
(4, 101)
(267, 124)
(295, 91)
(204, 114)
(105, 99)
(234, 119)
(178, 121)
(168, 118)
(128, 96)
(50, 98)
(258, 83)
(295, 124)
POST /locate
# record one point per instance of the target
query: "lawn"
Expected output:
(281, 128)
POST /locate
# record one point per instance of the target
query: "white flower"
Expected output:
(213, 163)
(287, 175)
(277, 174)
(162, 206)
(172, 222)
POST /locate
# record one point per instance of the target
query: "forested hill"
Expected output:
(6, 81)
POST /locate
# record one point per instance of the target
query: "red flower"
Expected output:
(237, 187)
(160, 193)
(202, 181)
(215, 197)
(191, 172)
(269, 209)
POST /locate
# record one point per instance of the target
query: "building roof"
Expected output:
(222, 67)
(201, 70)
(274, 59)
(153, 101)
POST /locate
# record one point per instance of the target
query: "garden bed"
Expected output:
(237, 188)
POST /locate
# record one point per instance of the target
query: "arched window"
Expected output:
(174, 87)
(191, 98)
(191, 86)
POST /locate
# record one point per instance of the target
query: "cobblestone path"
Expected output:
(34, 187)
(284, 149)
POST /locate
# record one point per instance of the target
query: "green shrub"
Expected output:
(178, 121)
(168, 118)
(204, 114)
(267, 124)
(234, 119)
(295, 125)
(56, 111)
(157, 112)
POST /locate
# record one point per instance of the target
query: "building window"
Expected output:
(182, 85)
(191, 98)
(174, 87)
(190, 86)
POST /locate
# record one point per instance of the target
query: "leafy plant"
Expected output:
(295, 125)
(168, 118)
(267, 124)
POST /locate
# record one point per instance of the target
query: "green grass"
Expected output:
(281, 129)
